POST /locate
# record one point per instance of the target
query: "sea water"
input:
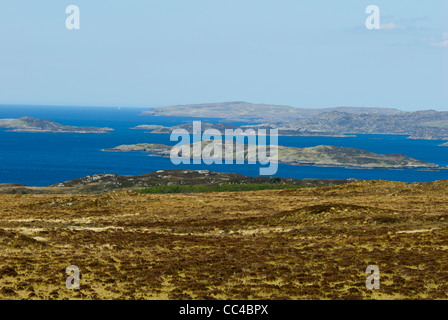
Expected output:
(41, 159)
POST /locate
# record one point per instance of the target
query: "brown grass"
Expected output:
(290, 244)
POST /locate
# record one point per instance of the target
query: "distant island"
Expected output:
(328, 156)
(158, 129)
(425, 125)
(246, 111)
(27, 124)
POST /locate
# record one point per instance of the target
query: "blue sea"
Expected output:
(41, 159)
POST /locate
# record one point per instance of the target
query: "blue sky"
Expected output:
(303, 53)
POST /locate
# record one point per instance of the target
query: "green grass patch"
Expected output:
(217, 188)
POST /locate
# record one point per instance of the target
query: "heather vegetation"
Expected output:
(307, 243)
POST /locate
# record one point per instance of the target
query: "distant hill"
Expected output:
(188, 126)
(27, 124)
(245, 111)
(101, 183)
(328, 156)
(426, 124)
(222, 127)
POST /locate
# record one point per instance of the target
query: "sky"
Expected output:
(150, 53)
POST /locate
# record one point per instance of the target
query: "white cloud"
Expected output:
(443, 44)
(440, 40)
(391, 26)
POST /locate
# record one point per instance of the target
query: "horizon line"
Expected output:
(152, 107)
